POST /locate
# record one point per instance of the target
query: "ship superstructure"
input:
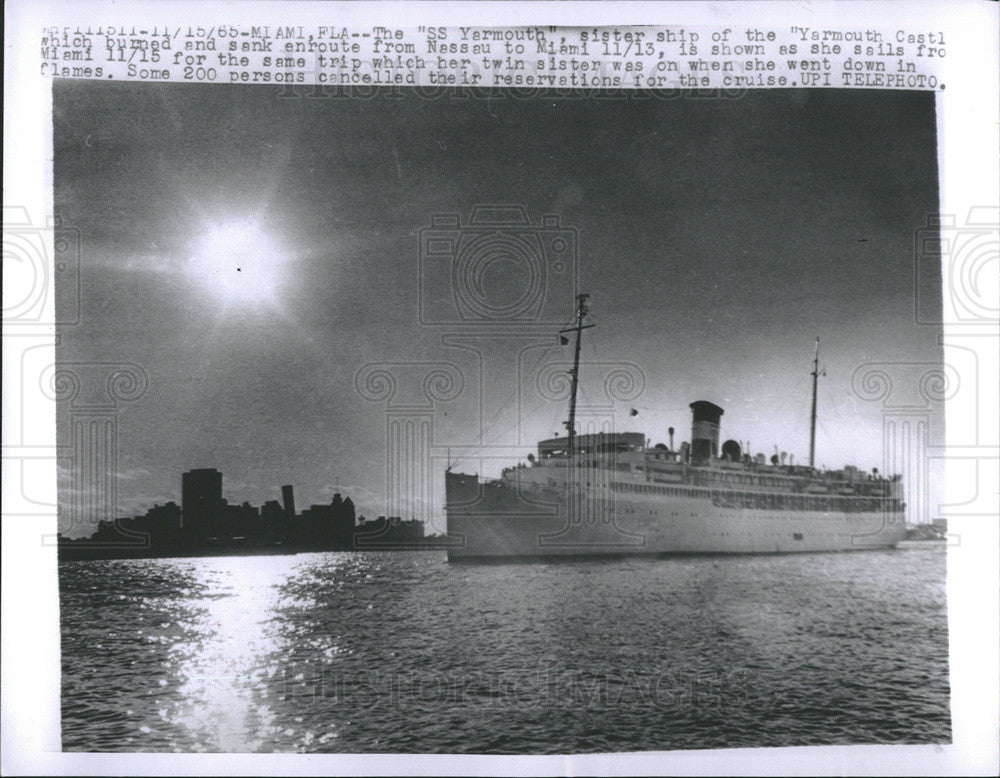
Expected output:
(613, 494)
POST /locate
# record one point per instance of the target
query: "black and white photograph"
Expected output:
(492, 424)
(408, 420)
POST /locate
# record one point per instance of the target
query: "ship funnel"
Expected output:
(704, 430)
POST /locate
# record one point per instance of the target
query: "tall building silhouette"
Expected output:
(201, 503)
(288, 500)
(288, 497)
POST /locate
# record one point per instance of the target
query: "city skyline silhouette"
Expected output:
(256, 253)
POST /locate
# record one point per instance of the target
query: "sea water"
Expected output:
(402, 651)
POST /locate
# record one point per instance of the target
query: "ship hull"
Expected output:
(497, 521)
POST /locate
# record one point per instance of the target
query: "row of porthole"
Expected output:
(772, 517)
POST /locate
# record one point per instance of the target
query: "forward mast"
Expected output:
(578, 327)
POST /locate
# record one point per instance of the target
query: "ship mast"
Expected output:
(812, 419)
(581, 311)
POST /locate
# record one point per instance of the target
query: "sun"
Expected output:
(240, 262)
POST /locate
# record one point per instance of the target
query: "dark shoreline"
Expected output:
(93, 554)
(83, 553)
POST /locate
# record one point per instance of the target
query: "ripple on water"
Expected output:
(373, 652)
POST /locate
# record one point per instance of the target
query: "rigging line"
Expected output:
(595, 348)
(542, 401)
(511, 427)
(506, 402)
(489, 427)
(508, 429)
(504, 405)
(555, 419)
(592, 341)
(586, 398)
(832, 412)
(597, 360)
(487, 444)
(533, 409)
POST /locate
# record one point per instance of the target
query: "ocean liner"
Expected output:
(613, 494)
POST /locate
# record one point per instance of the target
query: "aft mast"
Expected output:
(578, 327)
(812, 419)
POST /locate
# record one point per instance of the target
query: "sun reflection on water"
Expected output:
(234, 644)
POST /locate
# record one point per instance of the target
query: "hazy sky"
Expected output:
(717, 238)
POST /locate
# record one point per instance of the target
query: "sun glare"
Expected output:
(240, 262)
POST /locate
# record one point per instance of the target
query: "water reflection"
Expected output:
(403, 652)
(233, 645)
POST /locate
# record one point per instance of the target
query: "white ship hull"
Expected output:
(496, 520)
(613, 493)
